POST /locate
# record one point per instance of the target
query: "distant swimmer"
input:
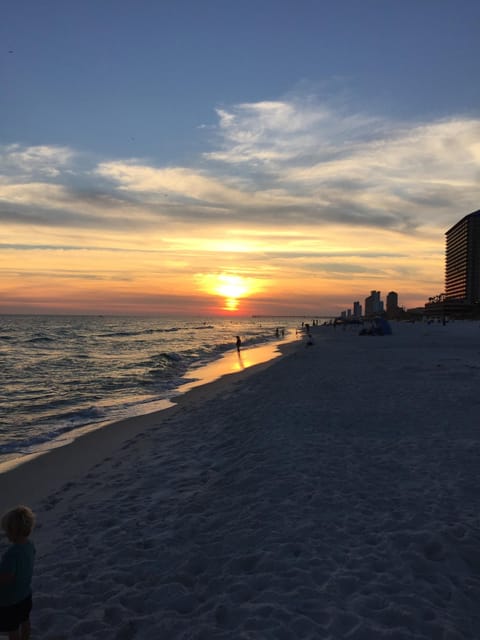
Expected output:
(239, 343)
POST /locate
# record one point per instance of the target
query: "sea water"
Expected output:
(62, 374)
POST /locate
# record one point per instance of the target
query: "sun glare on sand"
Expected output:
(231, 287)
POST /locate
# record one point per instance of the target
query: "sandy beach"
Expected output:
(333, 493)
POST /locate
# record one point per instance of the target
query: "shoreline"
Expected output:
(71, 457)
(71, 376)
(226, 364)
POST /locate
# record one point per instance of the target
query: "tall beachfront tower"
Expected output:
(392, 302)
(373, 304)
(462, 264)
(357, 309)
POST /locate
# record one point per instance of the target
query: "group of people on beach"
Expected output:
(16, 569)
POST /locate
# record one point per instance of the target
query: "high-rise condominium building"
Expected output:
(373, 304)
(357, 309)
(462, 264)
(392, 302)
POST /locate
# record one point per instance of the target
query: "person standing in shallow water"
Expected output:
(239, 343)
(16, 569)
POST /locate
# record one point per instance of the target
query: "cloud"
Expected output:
(190, 195)
(354, 169)
(266, 133)
(65, 206)
(161, 183)
(290, 164)
(303, 163)
(38, 160)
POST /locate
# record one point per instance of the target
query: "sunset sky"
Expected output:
(238, 157)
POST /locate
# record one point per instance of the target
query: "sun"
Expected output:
(231, 287)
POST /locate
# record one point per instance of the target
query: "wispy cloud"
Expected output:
(275, 163)
(355, 169)
(42, 160)
(271, 133)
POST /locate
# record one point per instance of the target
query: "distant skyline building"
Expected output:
(392, 303)
(462, 260)
(373, 304)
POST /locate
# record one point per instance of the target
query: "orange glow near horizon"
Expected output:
(229, 286)
(267, 219)
(304, 272)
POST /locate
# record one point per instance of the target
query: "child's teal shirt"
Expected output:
(18, 559)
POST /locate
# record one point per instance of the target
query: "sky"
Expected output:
(217, 157)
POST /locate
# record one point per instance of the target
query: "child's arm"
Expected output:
(7, 568)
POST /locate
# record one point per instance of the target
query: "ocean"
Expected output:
(61, 374)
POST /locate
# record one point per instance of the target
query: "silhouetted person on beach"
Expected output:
(16, 568)
(239, 343)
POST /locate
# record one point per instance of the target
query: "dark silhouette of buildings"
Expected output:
(461, 298)
(393, 310)
(357, 309)
(373, 304)
(374, 307)
(462, 264)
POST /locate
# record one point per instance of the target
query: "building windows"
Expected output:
(462, 264)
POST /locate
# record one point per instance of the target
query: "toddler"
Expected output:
(16, 568)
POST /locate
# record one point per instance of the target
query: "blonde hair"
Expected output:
(18, 522)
